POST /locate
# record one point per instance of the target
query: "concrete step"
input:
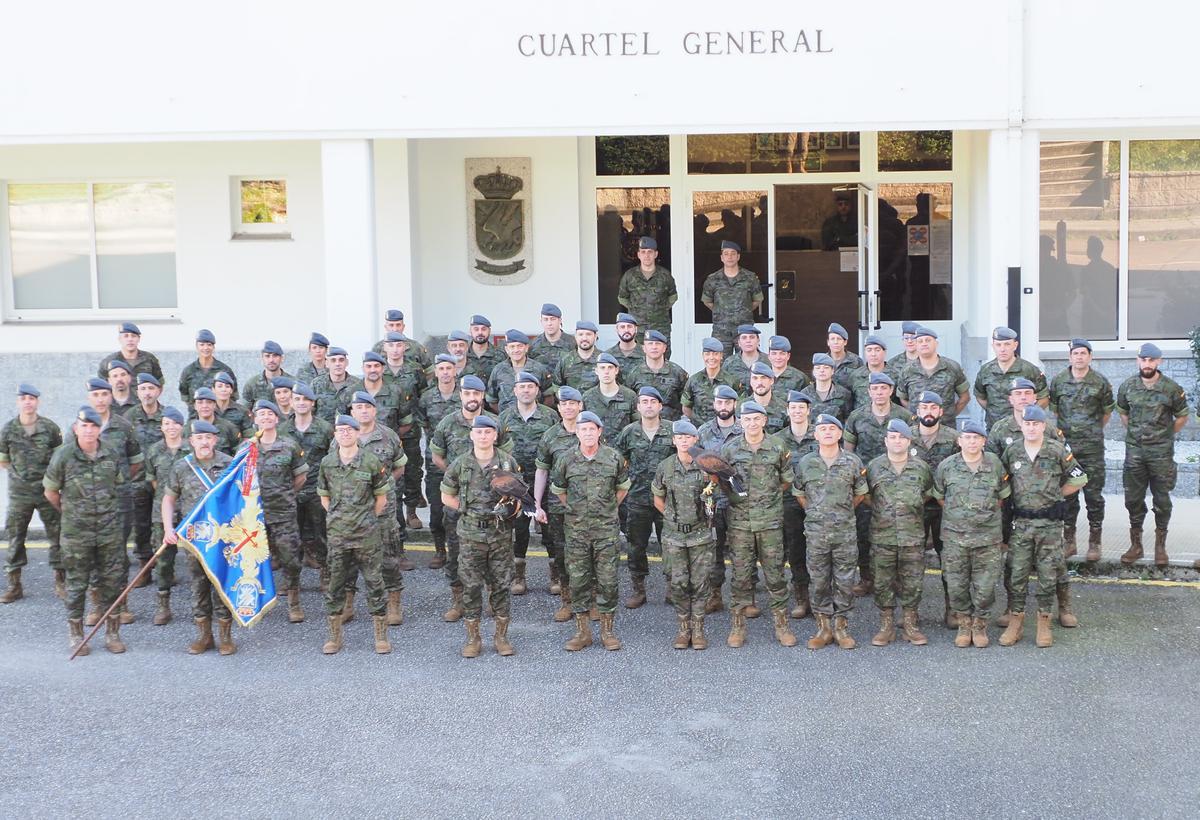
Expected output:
(1069, 148)
(1074, 214)
(1070, 172)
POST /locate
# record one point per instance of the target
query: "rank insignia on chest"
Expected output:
(1008, 441)
(912, 451)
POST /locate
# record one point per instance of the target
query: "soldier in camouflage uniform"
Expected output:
(648, 291)
(417, 353)
(908, 337)
(714, 434)
(315, 437)
(756, 522)
(1082, 401)
(797, 437)
(1153, 409)
(971, 485)
(936, 373)
(764, 391)
(555, 442)
(146, 420)
(259, 386)
(934, 443)
(551, 345)
(282, 471)
(995, 377)
(845, 362)
(435, 403)
(82, 482)
(485, 538)
(875, 352)
(136, 359)
(201, 372)
(679, 488)
(282, 396)
(779, 355)
(591, 482)
(227, 408)
(26, 444)
(1042, 472)
(318, 348)
(698, 390)
(644, 444)
(403, 381)
(615, 404)
(204, 405)
(526, 422)
(504, 375)
(656, 371)
(737, 367)
(732, 293)
(482, 355)
(829, 484)
(335, 389)
(627, 351)
(827, 396)
(900, 484)
(120, 377)
(577, 368)
(353, 485)
(160, 461)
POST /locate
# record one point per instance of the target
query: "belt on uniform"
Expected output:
(688, 529)
(1055, 512)
(485, 522)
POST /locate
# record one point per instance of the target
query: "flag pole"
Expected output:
(124, 594)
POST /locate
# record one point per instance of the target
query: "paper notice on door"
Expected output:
(918, 240)
(940, 242)
(849, 261)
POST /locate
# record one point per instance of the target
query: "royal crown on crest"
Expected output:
(498, 185)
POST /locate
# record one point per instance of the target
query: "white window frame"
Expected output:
(11, 314)
(241, 231)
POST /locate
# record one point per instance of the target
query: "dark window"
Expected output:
(632, 156)
(624, 216)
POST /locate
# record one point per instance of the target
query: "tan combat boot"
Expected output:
(1065, 616)
(382, 645)
(93, 616)
(824, 635)
(1161, 559)
(1093, 552)
(841, 633)
(404, 562)
(887, 628)
(112, 636)
(14, 591)
(295, 611)
(124, 614)
(323, 583)
(225, 644)
(456, 611)
(1014, 630)
(555, 581)
(865, 585)
(1069, 547)
(162, 612)
(395, 611)
(715, 603)
(911, 629)
(608, 636)
(979, 635)
(76, 626)
(638, 597)
(783, 632)
(751, 609)
(683, 634)
(699, 641)
(500, 637)
(204, 638)
(518, 583)
(334, 644)
(802, 608)
(737, 630)
(439, 557)
(1044, 636)
(60, 583)
(348, 607)
(594, 613)
(963, 639)
(563, 613)
(1135, 550)
(583, 633)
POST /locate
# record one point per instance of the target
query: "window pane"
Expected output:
(135, 244)
(740, 216)
(264, 201)
(1164, 238)
(621, 156)
(915, 150)
(916, 251)
(795, 153)
(623, 216)
(1079, 235)
(50, 229)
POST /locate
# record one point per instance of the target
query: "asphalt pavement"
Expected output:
(1101, 725)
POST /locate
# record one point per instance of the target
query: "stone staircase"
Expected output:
(1073, 185)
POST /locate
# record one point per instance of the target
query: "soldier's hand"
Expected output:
(170, 537)
(539, 516)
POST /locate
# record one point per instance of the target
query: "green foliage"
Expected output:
(1164, 155)
(629, 156)
(916, 150)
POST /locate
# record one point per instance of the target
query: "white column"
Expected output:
(1003, 221)
(352, 315)
(1029, 210)
(395, 192)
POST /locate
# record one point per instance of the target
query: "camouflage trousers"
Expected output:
(831, 564)
(310, 523)
(142, 511)
(933, 535)
(486, 560)
(689, 566)
(284, 539)
(1092, 461)
(726, 334)
(391, 540)
(23, 499)
(640, 522)
(716, 578)
(96, 557)
(750, 549)
(437, 512)
(591, 558)
(345, 562)
(898, 567)
(795, 541)
(414, 470)
(1036, 545)
(970, 576)
(1154, 469)
(862, 533)
(553, 537)
(164, 567)
(451, 569)
(206, 600)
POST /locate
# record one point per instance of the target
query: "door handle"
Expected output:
(878, 324)
(862, 310)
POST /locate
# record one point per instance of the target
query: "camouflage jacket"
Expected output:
(1039, 483)
(526, 433)
(194, 377)
(947, 380)
(26, 455)
(668, 380)
(681, 488)
(1151, 410)
(470, 482)
(732, 298)
(160, 461)
(186, 487)
(352, 488)
(88, 488)
(591, 486)
(144, 363)
(1079, 407)
(452, 436)
(992, 385)
(577, 372)
(555, 442)
(837, 402)
(971, 514)
(643, 456)
(697, 394)
(766, 471)
(898, 501)
(504, 377)
(315, 441)
(867, 433)
(333, 396)
(615, 411)
(551, 353)
(828, 492)
(259, 387)
(649, 298)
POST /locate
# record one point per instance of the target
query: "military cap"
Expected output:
(587, 416)
(346, 421)
(174, 414)
(396, 336)
(551, 309)
(363, 397)
(1149, 351)
(120, 364)
(206, 335)
(826, 418)
(526, 376)
(780, 343)
(796, 395)
(472, 383)
(648, 243)
(753, 407)
(318, 339)
(267, 404)
(834, 327)
(626, 318)
(444, 358)
(393, 315)
(762, 369)
(281, 383)
(727, 245)
(513, 335)
(89, 416)
(204, 394)
(899, 426)
(484, 421)
(711, 345)
(881, 378)
(200, 426)
(584, 324)
(822, 359)
(1004, 334)
(568, 393)
(372, 356)
(909, 327)
(98, 384)
(27, 389)
(655, 336)
(302, 389)
(652, 392)
(1021, 383)
(338, 351)
(972, 426)
(224, 378)
(129, 327)
(148, 378)
(928, 397)
(875, 340)
(608, 358)
(926, 331)
(480, 319)
(1080, 343)
(272, 347)
(683, 427)
(1034, 413)
(724, 391)
(749, 328)
(459, 336)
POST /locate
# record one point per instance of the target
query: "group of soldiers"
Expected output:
(856, 465)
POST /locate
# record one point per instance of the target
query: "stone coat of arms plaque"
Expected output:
(499, 241)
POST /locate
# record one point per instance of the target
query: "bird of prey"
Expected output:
(513, 494)
(714, 465)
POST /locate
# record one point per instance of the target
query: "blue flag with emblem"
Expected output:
(227, 535)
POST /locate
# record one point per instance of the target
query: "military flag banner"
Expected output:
(227, 535)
